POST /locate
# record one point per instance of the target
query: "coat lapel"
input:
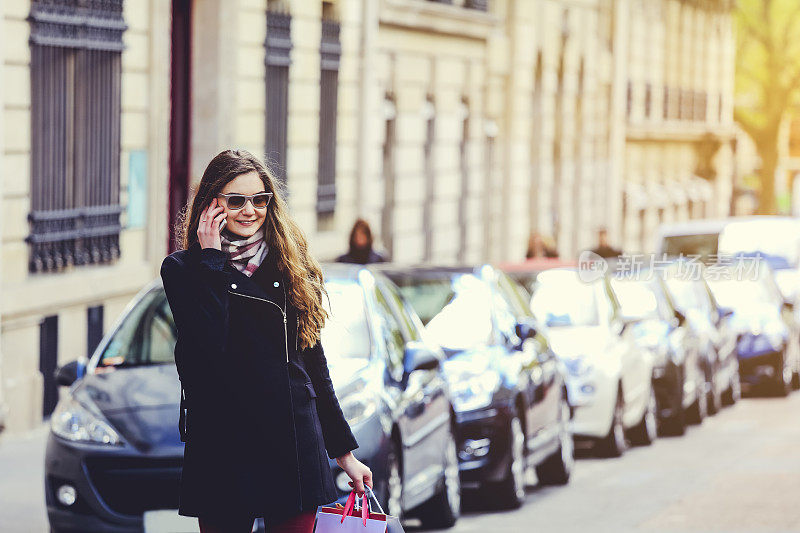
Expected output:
(254, 286)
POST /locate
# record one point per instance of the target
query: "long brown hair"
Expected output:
(282, 234)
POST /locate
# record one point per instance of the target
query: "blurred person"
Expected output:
(539, 246)
(257, 414)
(604, 249)
(360, 250)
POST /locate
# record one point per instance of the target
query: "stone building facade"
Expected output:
(455, 127)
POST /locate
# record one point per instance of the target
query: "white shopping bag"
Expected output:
(355, 518)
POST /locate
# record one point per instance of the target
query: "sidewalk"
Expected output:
(22, 508)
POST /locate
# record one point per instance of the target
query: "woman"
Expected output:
(360, 250)
(258, 409)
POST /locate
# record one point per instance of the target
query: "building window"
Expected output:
(648, 99)
(76, 49)
(463, 159)
(278, 47)
(388, 173)
(700, 105)
(330, 51)
(629, 99)
(429, 114)
(480, 5)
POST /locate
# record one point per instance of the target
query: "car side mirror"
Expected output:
(70, 373)
(622, 324)
(525, 330)
(724, 312)
(418, 356)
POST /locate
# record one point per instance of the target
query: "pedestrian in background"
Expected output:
(258, 409)
(604, 249)
(539, 246)
(360, 250)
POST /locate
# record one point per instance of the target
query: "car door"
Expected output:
(538, 367)
(417, 417)
(634, 375)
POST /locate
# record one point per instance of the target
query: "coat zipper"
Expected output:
(283, 313)
(286, 347)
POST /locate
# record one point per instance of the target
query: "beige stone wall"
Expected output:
(549, 146)
(27, 298)
(676, 44)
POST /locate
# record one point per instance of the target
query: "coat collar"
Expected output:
(253, 286)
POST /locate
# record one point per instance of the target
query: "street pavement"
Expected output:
(737, 472)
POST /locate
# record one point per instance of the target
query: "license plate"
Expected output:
(169, 521)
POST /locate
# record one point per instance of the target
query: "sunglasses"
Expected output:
(237, 201)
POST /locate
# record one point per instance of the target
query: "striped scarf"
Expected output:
(245, 254)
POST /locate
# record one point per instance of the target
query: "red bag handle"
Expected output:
(364, 508)
(348, 505)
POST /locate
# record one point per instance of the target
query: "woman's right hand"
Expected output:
(208, 226)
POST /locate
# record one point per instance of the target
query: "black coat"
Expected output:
(259, 415)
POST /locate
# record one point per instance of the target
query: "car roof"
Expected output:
(425, 270)
(693, 227)
(538, 264)
(717, 225)
(337, 271)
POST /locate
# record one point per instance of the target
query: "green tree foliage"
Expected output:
(767, 78)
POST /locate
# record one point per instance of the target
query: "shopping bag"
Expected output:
(355, 517)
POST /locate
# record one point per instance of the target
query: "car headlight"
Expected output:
(474, 392)
(578, 366)
(72, 421)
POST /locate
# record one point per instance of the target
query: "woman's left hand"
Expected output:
(357, 471)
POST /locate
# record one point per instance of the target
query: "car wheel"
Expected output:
(556, 469)
(509, 493)
(444, 508)
(614, 444)
(644, 433)
(783, 382)
(675, 425)
(734, 391)
(699, 409)
(714, 400)
(393, 493)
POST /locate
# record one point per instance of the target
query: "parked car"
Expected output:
(678, 375)
(776, 239)
(525, 272)
(609, 376)
(114, 452)
(688, 289)
(767, 344)
(694, 238)
(508, 388)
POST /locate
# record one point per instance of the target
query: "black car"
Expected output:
(508, 387)
(678, 373)
(687, 287)
(114, 455)
(767, 343)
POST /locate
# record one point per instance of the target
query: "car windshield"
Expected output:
(778, 240)
(684, 293)
(345, 334)
(739, 293)
(636, 298)
(702, 245)
(145, 337)
(455, 308)
(561, 299)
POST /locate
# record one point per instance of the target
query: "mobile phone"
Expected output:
(222, 224)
